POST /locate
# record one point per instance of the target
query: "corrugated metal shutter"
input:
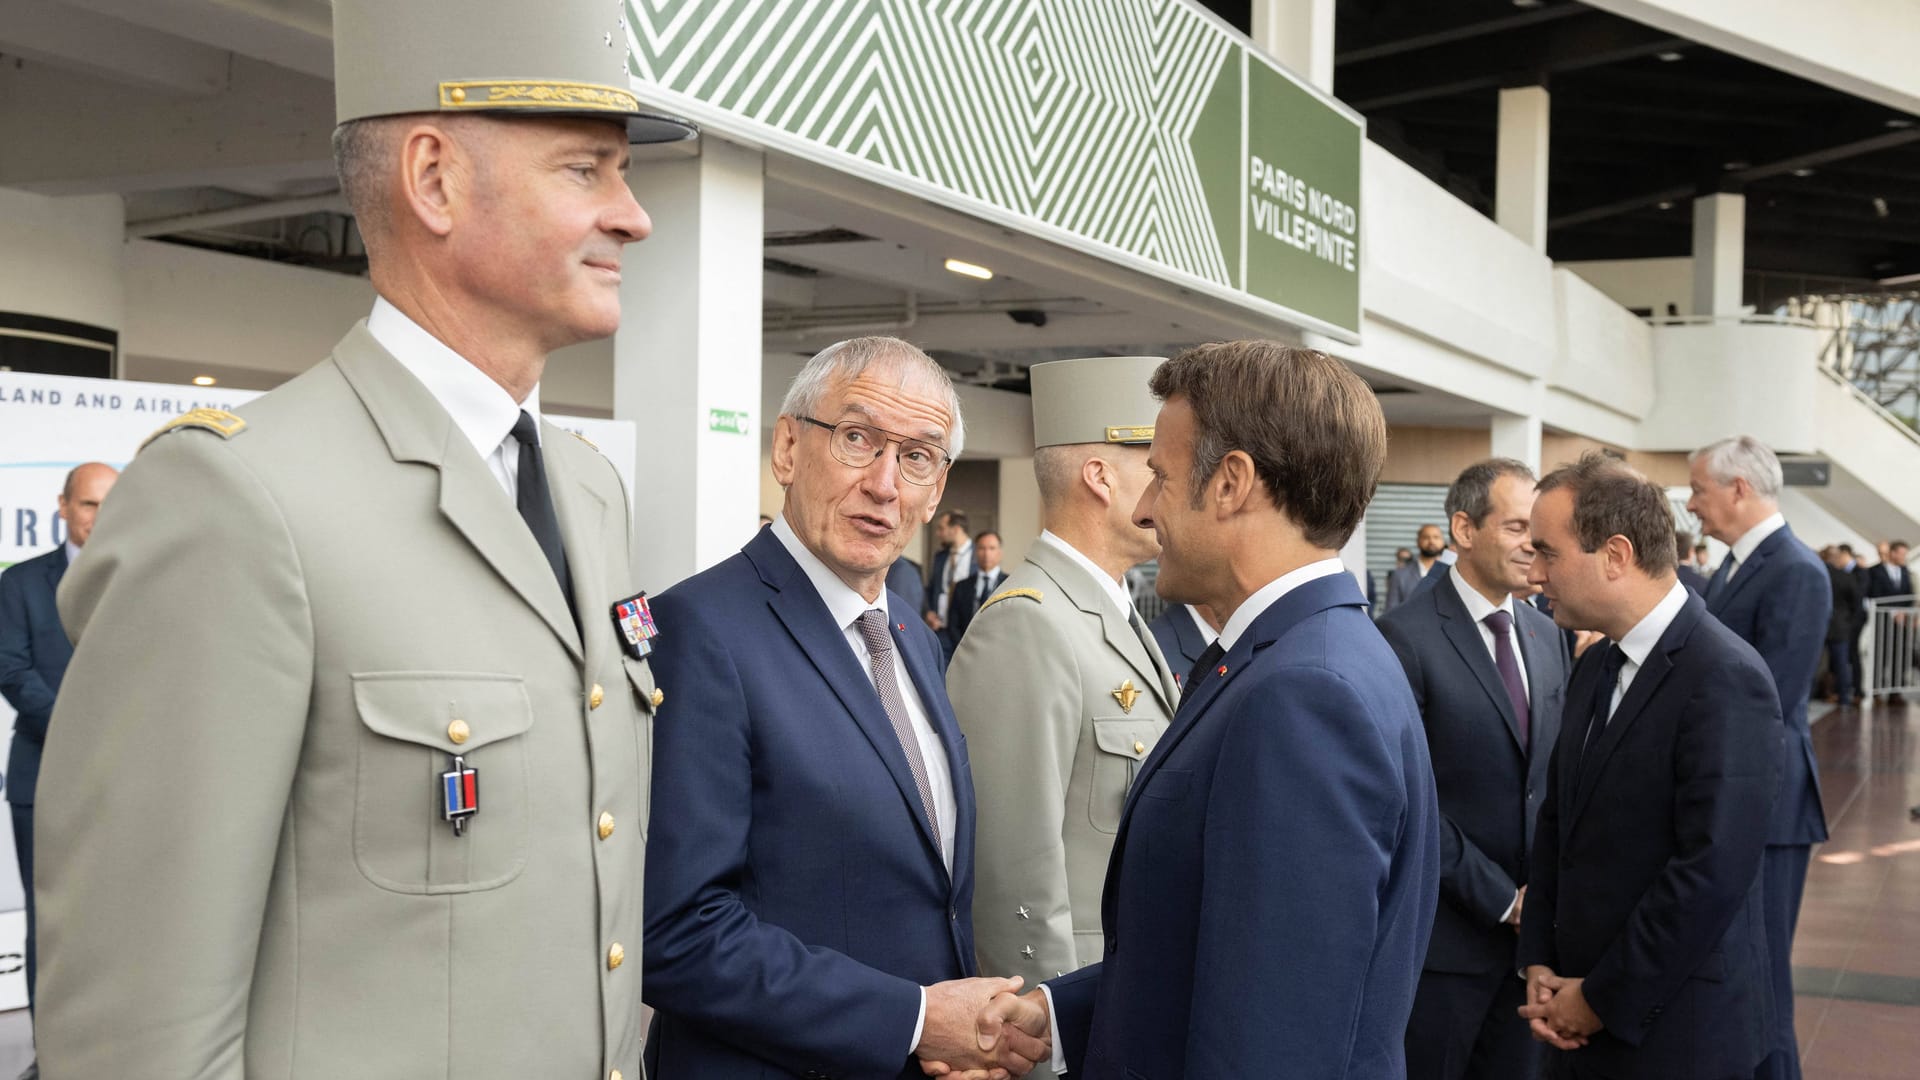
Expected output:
(1394, 519)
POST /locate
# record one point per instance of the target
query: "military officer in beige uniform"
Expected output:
(353, 770)
(1058, 685)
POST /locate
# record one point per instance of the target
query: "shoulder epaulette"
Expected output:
(583, 439)
(1004, 594)
(219, 421)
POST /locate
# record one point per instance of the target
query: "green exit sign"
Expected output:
(727, 420)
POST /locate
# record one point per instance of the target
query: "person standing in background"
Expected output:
(952, 563)
(1406, 577)
(34, 652)
(973, 591)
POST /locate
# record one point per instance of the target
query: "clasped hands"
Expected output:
(984, 1029)
(1557, 1011)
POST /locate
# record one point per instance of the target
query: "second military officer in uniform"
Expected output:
(352, 776)
(1058, 685)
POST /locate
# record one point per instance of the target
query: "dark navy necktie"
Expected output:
(1208, 659)
(535, 502)
(1610, 666)
(1503, 658)
(1719, 583)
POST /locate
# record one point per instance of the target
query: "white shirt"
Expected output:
(1270, 593)
(481, 408)
(846, 607)
(73, 554)
(950, 576)
(1639, 642)
(989, 580)
(1116, 592)
(1243, 616)
(1207, 633)
(1752, 538)
(1478, 609)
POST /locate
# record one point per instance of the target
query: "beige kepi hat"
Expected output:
(548, 57)
(1096, 399)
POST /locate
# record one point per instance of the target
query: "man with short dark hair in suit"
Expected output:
(1847, 606)
(1273, 879)
(976, 588)
(1886, 581)
(1775, 593)
(1692, 578)
(1406, 578)
(952, 562)
(1489, 675)
(1643, 945)
(810, 892)
(34, 652)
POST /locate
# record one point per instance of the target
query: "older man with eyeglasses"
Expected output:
(809, 902)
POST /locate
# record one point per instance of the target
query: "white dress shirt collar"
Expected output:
(1207, 633)
(843, 603)
(1639, 642)
(1752, 538)
(1477, 606)
(1122, 603)
(481, 408)
(1267, 595)
(73, 554)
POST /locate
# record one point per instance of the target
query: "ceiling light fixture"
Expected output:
(967, 269)
(1880, 208)
(1670, 56)
(204, 380)
(1803, 172)
(1665, 204)
(1735, 165)
(1899, 122)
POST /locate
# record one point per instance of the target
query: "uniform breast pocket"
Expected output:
(1120, 744)
(413, 724)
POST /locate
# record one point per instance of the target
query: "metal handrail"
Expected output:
(1739, 319)
(1892, 622)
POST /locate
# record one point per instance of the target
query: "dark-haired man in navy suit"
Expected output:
(810, 890)
(1489, 674)
(1775, 593)
(1273, 879)
(34, 652)
(1643, 945)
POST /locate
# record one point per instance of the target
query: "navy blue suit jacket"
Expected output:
(1645, 877)
(1490, 784)
(936, 573)
(796, 898)
(1273, 879)
(34, 652)
(904, 578)
(1780, 602)
(1179, 640)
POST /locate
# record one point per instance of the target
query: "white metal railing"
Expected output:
(1746, 318)
(1893, 624)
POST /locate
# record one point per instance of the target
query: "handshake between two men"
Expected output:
(984, 1029)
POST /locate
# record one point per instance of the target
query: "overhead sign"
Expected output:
(1145, 132)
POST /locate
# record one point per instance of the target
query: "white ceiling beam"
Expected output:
(293, 34)
(109, 48)
(268, 127)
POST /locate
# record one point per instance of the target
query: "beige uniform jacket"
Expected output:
(246, 871)
(1060, 701)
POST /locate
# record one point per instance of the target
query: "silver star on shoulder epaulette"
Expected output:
(1027, 952)
(1023, 911)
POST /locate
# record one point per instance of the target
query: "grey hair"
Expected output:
(362, 157)
(1472, 491)
(847, 359)
(1742, 457)
(1057, 468)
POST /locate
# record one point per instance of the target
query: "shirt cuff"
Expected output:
(1508, 914)
(920, 1025)
(1059, 1062)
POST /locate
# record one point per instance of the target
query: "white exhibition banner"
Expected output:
(51, 423)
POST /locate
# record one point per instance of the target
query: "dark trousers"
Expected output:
(1468, 1027)
(1853, 653)
(1566, 1065)
(23, 851)
(1840, 666)
(1784, 877)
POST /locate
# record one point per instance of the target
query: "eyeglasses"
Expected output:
(860, 445)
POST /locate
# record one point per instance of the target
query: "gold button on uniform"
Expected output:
(1139, 747)
(616, 956)
(595, 696)
(606, 824)
(659, 696)
(458, 732)
(459, 95)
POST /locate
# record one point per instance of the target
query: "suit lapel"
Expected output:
(417, 429)
(1647, 680)
(582, 515)
(1465, 638)
(798, 606)
(1744, 573)
(1540, 682)
(932, 688)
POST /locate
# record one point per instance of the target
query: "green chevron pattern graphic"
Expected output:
(1118, 121)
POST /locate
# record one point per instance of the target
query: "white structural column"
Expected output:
(1520, 183)
(1517, 437)
(1299, 34)
(61, 258)
(1019, 510)
(1719, 253)
(686, 366)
